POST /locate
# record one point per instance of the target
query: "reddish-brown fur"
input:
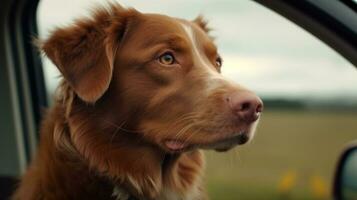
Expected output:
(117, 106)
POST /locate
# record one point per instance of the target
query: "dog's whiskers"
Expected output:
(118, 128)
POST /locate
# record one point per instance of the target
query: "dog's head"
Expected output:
(156, 75)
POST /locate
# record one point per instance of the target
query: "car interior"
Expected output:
(25, 94)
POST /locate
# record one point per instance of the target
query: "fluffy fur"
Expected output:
(123, 119)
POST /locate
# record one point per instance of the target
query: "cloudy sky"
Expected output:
(261, 49)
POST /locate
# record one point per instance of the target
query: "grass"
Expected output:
(302, 147)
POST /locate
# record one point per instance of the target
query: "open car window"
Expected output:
(309, 92)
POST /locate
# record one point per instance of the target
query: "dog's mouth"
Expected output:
(221, 144)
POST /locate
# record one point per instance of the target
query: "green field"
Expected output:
(299, 148)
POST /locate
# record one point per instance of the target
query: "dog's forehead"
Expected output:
(156, 25)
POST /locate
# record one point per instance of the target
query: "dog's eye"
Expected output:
(167, 59)
(218, 61)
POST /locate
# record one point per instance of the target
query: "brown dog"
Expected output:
(141, 94)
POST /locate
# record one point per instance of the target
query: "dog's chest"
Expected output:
(166, 194)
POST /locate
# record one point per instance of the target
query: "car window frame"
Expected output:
(324, 19)
(23, 95)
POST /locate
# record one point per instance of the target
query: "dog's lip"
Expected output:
(176, 145)
(228, 142)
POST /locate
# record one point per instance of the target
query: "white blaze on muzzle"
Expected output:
(214, 79)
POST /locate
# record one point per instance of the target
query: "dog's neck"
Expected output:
(121, 193)
(141, 169)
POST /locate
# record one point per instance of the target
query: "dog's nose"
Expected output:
(245, 105)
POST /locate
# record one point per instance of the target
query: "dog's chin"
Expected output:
(227, 144)
(220, 145)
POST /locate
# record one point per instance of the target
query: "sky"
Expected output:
(261, 50)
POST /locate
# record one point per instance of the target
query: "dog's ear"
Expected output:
(202, 23)
(84, 52)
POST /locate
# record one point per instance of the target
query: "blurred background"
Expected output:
(309, 91)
